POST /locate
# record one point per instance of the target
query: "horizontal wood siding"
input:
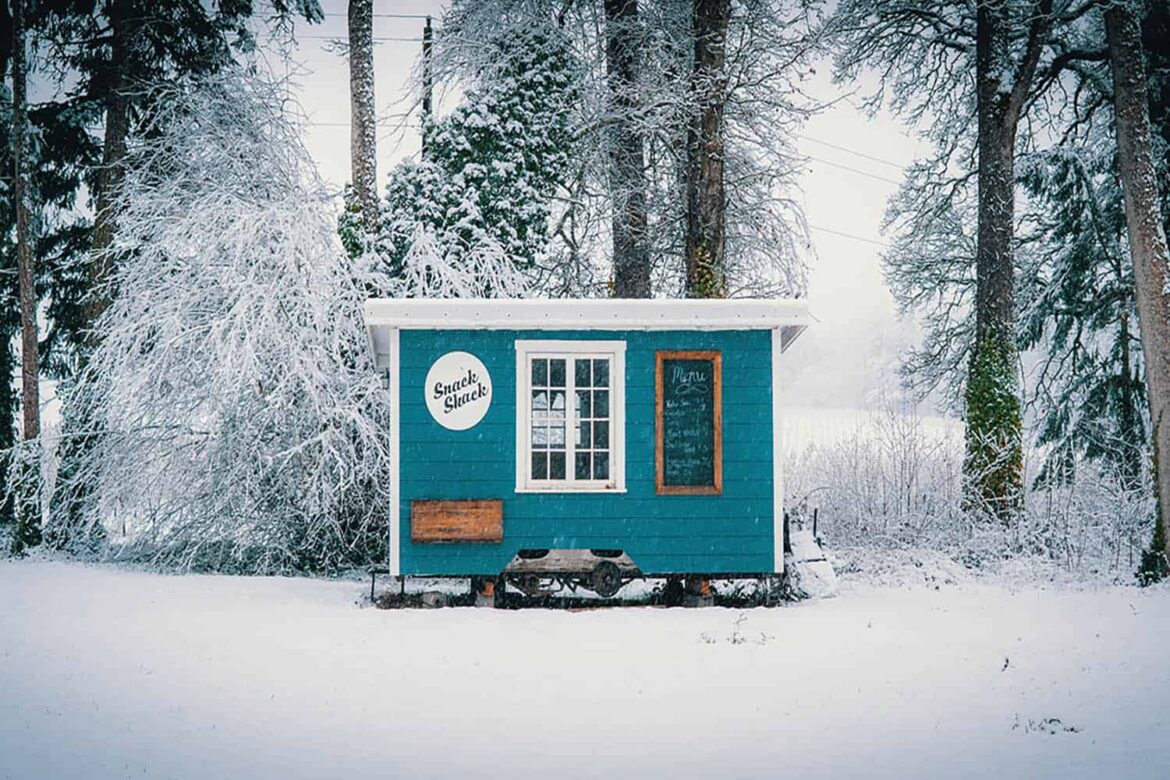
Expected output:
(728, 533)
(457, 520)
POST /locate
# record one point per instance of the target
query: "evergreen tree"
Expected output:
(58, 150)
(480, 201)
(1078, 311)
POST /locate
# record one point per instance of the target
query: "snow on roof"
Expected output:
(591, 313)
(790, 315)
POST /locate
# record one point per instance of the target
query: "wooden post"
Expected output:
(697, 591)
(484, 591)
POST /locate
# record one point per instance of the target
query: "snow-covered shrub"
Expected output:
(895, 484)
(889, 483)
(234, 414)
(472, 217)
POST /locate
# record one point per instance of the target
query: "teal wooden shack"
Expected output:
(645, 431)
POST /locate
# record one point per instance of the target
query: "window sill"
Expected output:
(570, 489)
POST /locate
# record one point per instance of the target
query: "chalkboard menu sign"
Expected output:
(689, 421)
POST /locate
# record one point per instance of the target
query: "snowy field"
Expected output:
(108, 673)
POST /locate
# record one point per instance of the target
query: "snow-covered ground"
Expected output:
(107, 673)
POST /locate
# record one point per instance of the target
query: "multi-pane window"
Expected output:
(569, 418)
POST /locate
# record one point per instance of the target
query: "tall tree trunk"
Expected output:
(1131, 452)
(27, 512)
(113, 154)
(1147, 238)
(30, 399)
(363, 118)
(706, 196)
(627, 162)
(428, 83)
(993, 470)
(7, 414)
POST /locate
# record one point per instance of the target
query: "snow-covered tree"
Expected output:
(235, 412)
(472, 218)
(1147, 237)
(769, 48)
(1077, 312)
(627, 154)
(363, 130)
(969, 73)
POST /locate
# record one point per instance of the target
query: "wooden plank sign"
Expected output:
(689, 422)
(457, 521)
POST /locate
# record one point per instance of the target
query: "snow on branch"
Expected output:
(231, 413)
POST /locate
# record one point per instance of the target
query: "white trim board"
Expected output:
(777, 457)
(588, 314)
(394, 564)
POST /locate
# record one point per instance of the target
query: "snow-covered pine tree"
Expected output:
(1078, 313)
(472, 219)
(239, 416)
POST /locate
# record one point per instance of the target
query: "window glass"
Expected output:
(585, 455)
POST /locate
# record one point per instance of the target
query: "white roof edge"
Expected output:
(590, 314)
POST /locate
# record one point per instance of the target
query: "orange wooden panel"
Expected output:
(475, 520)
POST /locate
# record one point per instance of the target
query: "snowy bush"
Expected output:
(897, 485)
(233, 415)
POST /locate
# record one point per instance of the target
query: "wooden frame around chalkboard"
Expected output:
(660, 486)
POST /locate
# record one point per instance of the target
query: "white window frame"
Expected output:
(615, 351)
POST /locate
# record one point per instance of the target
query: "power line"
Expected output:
(846, 149)
(377, 124)
(847, 235)
(341, 36)
(854, 170)
(843, 167)
(387, 16)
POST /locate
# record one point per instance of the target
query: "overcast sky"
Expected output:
(855, 162)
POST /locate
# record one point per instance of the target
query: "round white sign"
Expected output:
(458, 390)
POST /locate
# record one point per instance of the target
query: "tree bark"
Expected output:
(427, 85)
(27, 508)
(6, 38)
(113, 155)
(993, 468)
(627, 162)
(706, 195)
(30, 397)
(363, 116)
(1147, 237)
(8, 397)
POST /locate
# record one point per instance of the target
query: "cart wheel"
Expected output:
(606, 579)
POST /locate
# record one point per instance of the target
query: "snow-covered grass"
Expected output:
(106, 672)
